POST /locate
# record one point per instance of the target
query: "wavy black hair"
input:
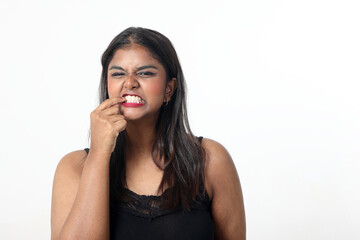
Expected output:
(174, 142)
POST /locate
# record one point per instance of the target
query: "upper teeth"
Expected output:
(133, 99)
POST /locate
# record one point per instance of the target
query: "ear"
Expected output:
(170, 88)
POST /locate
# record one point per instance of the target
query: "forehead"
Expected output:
(133, 55)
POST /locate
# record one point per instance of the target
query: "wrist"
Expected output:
(99, 156)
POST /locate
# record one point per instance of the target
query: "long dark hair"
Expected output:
(174, 141)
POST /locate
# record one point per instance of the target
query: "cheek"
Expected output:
(156, 90)
(113, 88)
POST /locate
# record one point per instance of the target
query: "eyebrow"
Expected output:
(116, 67)
(137, 69)
(145, 67)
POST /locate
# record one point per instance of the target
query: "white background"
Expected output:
(276, 82)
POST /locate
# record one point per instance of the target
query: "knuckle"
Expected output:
(122, 123)
(114, 131)
(107, 123)
(92, 114)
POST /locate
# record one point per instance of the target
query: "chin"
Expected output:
(131, 116)
(135, 116)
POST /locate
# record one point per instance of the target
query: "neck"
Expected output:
(140, 137)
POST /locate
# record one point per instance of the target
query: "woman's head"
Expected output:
(160, 48)
(135, 74)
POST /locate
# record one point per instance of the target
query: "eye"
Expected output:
(146, 74)
(117, 74)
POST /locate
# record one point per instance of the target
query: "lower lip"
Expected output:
(132, 104)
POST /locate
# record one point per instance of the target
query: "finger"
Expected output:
(116, 118)
(113, 110)
(109, 102)
(120, 125)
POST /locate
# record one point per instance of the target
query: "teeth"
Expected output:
(133, 99)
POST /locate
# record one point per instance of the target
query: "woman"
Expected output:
(163, 182)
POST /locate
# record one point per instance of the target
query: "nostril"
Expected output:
(131, 82)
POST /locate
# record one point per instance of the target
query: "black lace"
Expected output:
(150, 206)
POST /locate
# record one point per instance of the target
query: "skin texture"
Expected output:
(223, 185)
(80, 202)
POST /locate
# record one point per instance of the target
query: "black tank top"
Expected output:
(144, 218)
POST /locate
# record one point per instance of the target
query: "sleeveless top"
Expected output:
(142, 217)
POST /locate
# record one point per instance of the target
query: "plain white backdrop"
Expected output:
(275, 82)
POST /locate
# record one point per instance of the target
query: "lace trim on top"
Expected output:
(150, 206)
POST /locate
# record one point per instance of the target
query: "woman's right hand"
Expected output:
(106, 124)
(80, 202)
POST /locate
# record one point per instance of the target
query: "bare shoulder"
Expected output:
(72, 162)
(68, 173)
(218, 163)
(215, 149)
(212, 145)
(222, 180)
(65, 185)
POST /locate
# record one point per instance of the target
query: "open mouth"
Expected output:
(132, 98)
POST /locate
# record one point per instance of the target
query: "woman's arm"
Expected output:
(80, 201)
(227, 200)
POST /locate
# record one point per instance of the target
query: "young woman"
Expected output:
(145, 176)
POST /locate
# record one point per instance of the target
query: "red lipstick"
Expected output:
(131, 102)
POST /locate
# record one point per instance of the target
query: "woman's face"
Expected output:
(134, 74)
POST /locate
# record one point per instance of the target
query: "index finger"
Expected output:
(110, 102)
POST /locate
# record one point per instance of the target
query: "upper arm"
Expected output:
(227, 200)
(65, 186)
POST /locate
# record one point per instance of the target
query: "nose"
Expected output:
(131, 82)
